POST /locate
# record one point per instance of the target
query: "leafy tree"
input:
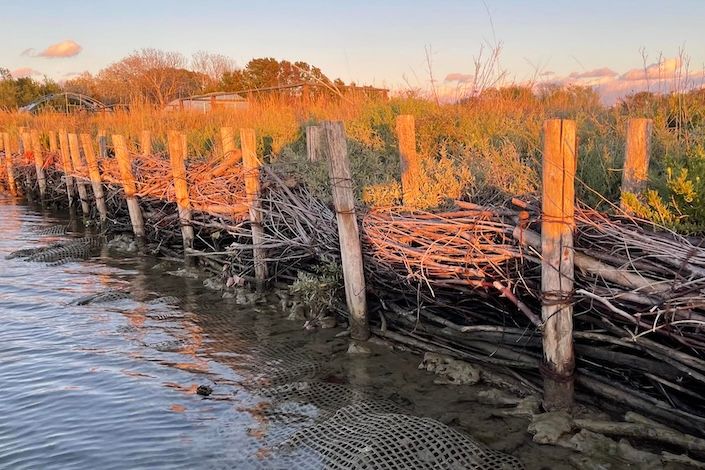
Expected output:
(268, 72)
(150, 76)
(17, 92)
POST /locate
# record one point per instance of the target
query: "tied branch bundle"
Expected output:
(467, 280)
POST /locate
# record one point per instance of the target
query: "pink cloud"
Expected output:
(667, 68)
(63, 49)
(597, 73)
(459, 77)
(24, 72)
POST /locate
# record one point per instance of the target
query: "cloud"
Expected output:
(603, 72)
(63, 49)
(24, 72)
(667, 68)
(665, 76)
(459, 77)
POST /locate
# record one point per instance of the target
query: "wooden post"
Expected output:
(313, 143)
(336, 148)
(128, 185)
(94, 174)
(53, 147)
(227, 136)
(11, 182)
(79, 170)
(251, 166)
(636, 156)
(102, 145)
(146, 143)
(177, 153)
(66, 165)
(27, 157)
(410, 170)
(39, 163)
(557, 270)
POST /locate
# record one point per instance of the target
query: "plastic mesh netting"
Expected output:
(357, 439)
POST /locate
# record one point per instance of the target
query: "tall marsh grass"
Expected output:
(486, 144)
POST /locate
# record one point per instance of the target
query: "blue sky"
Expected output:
(381, 43)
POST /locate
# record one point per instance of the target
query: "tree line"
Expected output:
(156, 77)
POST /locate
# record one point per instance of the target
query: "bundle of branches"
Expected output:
(299, 230)
(211, 189)
(468, 250)
(639, 299)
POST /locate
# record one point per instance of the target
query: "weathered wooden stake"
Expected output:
(557, 270)
(53, 147)
(79, 170)
(39, 162)
(336, 148)
(11, 182)
(102, 145)
(251, 166)
(146, 143)
(410, 169)
(94, 174)
(128, 185)
(227, 137)
(232, 155)
(636, 156)
(177, 153)
(313, 143)
(66, 165)
(27, 157)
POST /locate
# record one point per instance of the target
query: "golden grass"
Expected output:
(491, 142)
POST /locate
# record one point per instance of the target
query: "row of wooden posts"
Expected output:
(329, 141)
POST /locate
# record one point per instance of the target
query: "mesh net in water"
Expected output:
(354, 438)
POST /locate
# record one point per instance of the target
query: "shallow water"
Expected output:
(114, 385)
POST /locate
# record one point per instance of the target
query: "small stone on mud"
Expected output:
(358, 348)
(204, 390)
(183, 273)
(213, 283)
(328, 322)
(497, 397)
(451, 371)
(123, 243)
(547, 428)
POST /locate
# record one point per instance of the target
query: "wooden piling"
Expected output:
(232, 155)
(39, 163)
(79, 170)
(53, 145)
(227, 137)
(636, 156)
(251, 167)
(336, 149)
(177, 153)
(146, 143)
(102, 145)
(94, 175)
(557, 270)
(410, 168)
(313, 143)
(27, 157)
(9, 166)
(66, 166)
(128, 185)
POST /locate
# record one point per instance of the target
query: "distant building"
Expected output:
(208, 102)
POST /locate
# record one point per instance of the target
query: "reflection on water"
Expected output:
(116, 384)
(113, 385)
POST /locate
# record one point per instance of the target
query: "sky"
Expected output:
(383, 43)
